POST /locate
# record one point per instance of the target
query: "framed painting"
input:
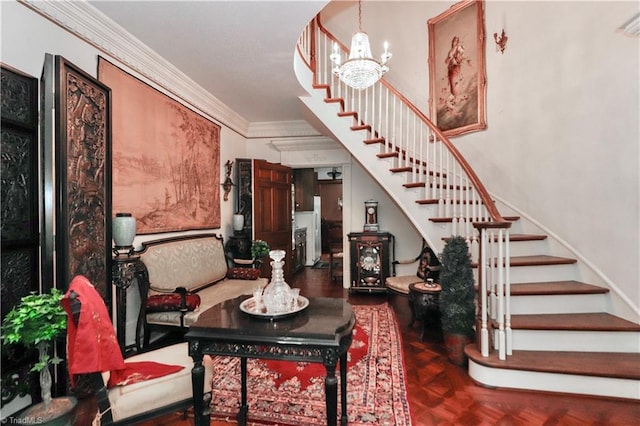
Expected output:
(457, 78)
(83, 178)
(166, 157)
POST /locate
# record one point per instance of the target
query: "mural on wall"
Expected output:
(456, 68)
(166, 158)
(83, 238)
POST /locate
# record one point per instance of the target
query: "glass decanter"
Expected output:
(277, 294)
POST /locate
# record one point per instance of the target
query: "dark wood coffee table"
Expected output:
(321, 333)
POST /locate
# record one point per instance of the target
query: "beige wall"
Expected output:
(563, 135)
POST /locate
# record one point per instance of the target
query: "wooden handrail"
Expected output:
(477, 183)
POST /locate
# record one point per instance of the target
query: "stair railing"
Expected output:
(434, 165)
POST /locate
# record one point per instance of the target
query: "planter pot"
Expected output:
(455, 344)
(60, 412)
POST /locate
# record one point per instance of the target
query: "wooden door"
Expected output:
(272, 210)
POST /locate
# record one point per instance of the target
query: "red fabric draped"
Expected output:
(92, 345)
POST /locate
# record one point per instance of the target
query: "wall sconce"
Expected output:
(501, 41)
(334, 173)
(228, 183)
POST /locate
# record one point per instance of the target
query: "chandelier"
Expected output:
(360, 70)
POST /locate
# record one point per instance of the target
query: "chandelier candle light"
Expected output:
(360, 70)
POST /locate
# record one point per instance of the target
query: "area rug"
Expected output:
(292, 393)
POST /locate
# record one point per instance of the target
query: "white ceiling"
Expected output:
(239, 51)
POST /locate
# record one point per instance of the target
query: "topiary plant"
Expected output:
(37, 321)
(457, 299)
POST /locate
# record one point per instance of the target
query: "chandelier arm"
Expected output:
(360, 70)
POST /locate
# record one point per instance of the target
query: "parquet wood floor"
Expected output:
(441, 393)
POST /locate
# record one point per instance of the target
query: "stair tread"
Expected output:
(540, 259)
(597, 364)
(594, 321)
(519, 237)
(536, 260)
(554, 288)
(450, 219)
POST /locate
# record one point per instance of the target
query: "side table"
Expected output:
(424, 301)
(125, 270)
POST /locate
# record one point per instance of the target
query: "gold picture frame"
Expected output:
(457, 76)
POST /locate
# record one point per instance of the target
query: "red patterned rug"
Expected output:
(292, 393)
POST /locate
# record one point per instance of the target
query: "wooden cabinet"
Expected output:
(306, 186)
(300, 249)
(371, 256)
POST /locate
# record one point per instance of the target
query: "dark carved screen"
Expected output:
(83, 171)
(18, 212)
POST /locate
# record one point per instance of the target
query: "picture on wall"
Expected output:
(457, 76)
(83, 237)
(166, 157)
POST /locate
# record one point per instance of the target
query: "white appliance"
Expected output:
(311, 221)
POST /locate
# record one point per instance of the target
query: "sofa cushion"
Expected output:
(243, 273)
(210, 296)
(190, 263)
(401, 283)
(172, 302)
(152, 394)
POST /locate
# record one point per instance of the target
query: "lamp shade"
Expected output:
(123, 229)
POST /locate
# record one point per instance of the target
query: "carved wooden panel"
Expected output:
(16, 275)
(19, 273)
(17, 183)
(83, 168)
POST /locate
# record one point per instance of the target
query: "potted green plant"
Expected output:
(37, 321)
(457, 299)
(259, 250)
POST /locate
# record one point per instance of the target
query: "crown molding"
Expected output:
(89, 24)
(270, 129)
(317, 143)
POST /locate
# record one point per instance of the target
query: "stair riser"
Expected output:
(527, 248)
(559, 304)
(539, 273)
(554, 382)
(581, 341)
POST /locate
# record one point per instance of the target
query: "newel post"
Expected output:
(494, 287)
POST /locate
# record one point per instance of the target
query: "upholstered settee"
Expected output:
(184, 277)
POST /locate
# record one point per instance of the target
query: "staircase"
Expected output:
(542, 328)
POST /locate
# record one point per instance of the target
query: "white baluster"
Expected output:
(484, 332)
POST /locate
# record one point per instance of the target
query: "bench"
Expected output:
(184, 277)
(128, 393)
(428, 267)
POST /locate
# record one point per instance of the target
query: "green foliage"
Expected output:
(36, 321)
(259, 249)
(457, 299)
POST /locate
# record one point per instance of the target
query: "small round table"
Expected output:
(424, 301)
